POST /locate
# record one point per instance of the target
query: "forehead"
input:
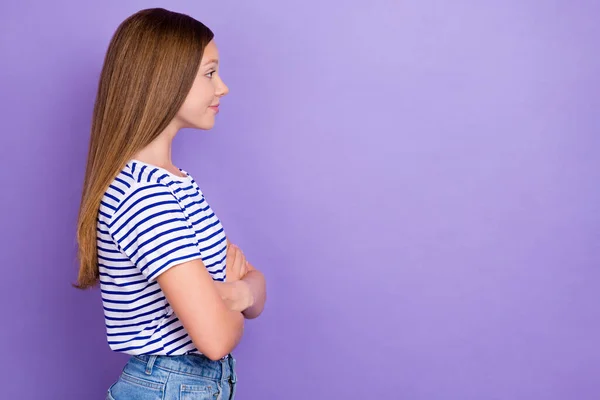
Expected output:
(210, 52)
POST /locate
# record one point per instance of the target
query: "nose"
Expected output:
(223, 89)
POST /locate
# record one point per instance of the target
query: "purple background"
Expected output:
(418, 180)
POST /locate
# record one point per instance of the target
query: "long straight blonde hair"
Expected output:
(149, 68)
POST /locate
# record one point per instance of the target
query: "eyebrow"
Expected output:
(212, 60)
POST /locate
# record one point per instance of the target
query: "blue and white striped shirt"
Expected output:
(149, 221)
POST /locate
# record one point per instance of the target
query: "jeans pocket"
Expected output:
(133, 387)
(109, 392)
(198, 391)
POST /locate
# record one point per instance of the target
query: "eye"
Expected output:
(210, 74)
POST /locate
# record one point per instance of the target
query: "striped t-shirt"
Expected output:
(149, 221)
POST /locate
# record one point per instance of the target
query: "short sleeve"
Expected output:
(151, 229)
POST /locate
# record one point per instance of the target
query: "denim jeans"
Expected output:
(191, 377)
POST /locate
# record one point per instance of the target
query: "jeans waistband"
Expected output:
(192, 364)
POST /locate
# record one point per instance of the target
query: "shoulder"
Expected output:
(134, 184)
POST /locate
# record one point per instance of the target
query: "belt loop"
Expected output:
(232, 361)
(222, 361)
(150, 364)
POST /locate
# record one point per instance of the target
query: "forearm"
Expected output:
(257, 284)
(236, 329)
(236, 297)
(234, 317)
(247, 296)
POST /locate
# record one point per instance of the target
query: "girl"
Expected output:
(175, 292)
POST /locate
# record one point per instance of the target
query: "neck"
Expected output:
(158, 152)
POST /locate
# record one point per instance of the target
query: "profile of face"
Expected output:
(201, 104)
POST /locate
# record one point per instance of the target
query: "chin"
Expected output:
(205, 126)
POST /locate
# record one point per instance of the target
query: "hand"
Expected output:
(237, 295)
(236, 265)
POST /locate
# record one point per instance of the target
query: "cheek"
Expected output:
(197, 101)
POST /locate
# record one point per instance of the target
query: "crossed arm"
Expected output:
(247, 295)
(213, 312)
(257, 285)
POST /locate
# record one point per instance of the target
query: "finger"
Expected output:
(236, 255)
(229, 254)
(242, 270)
(244, 266)
(240, 261)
